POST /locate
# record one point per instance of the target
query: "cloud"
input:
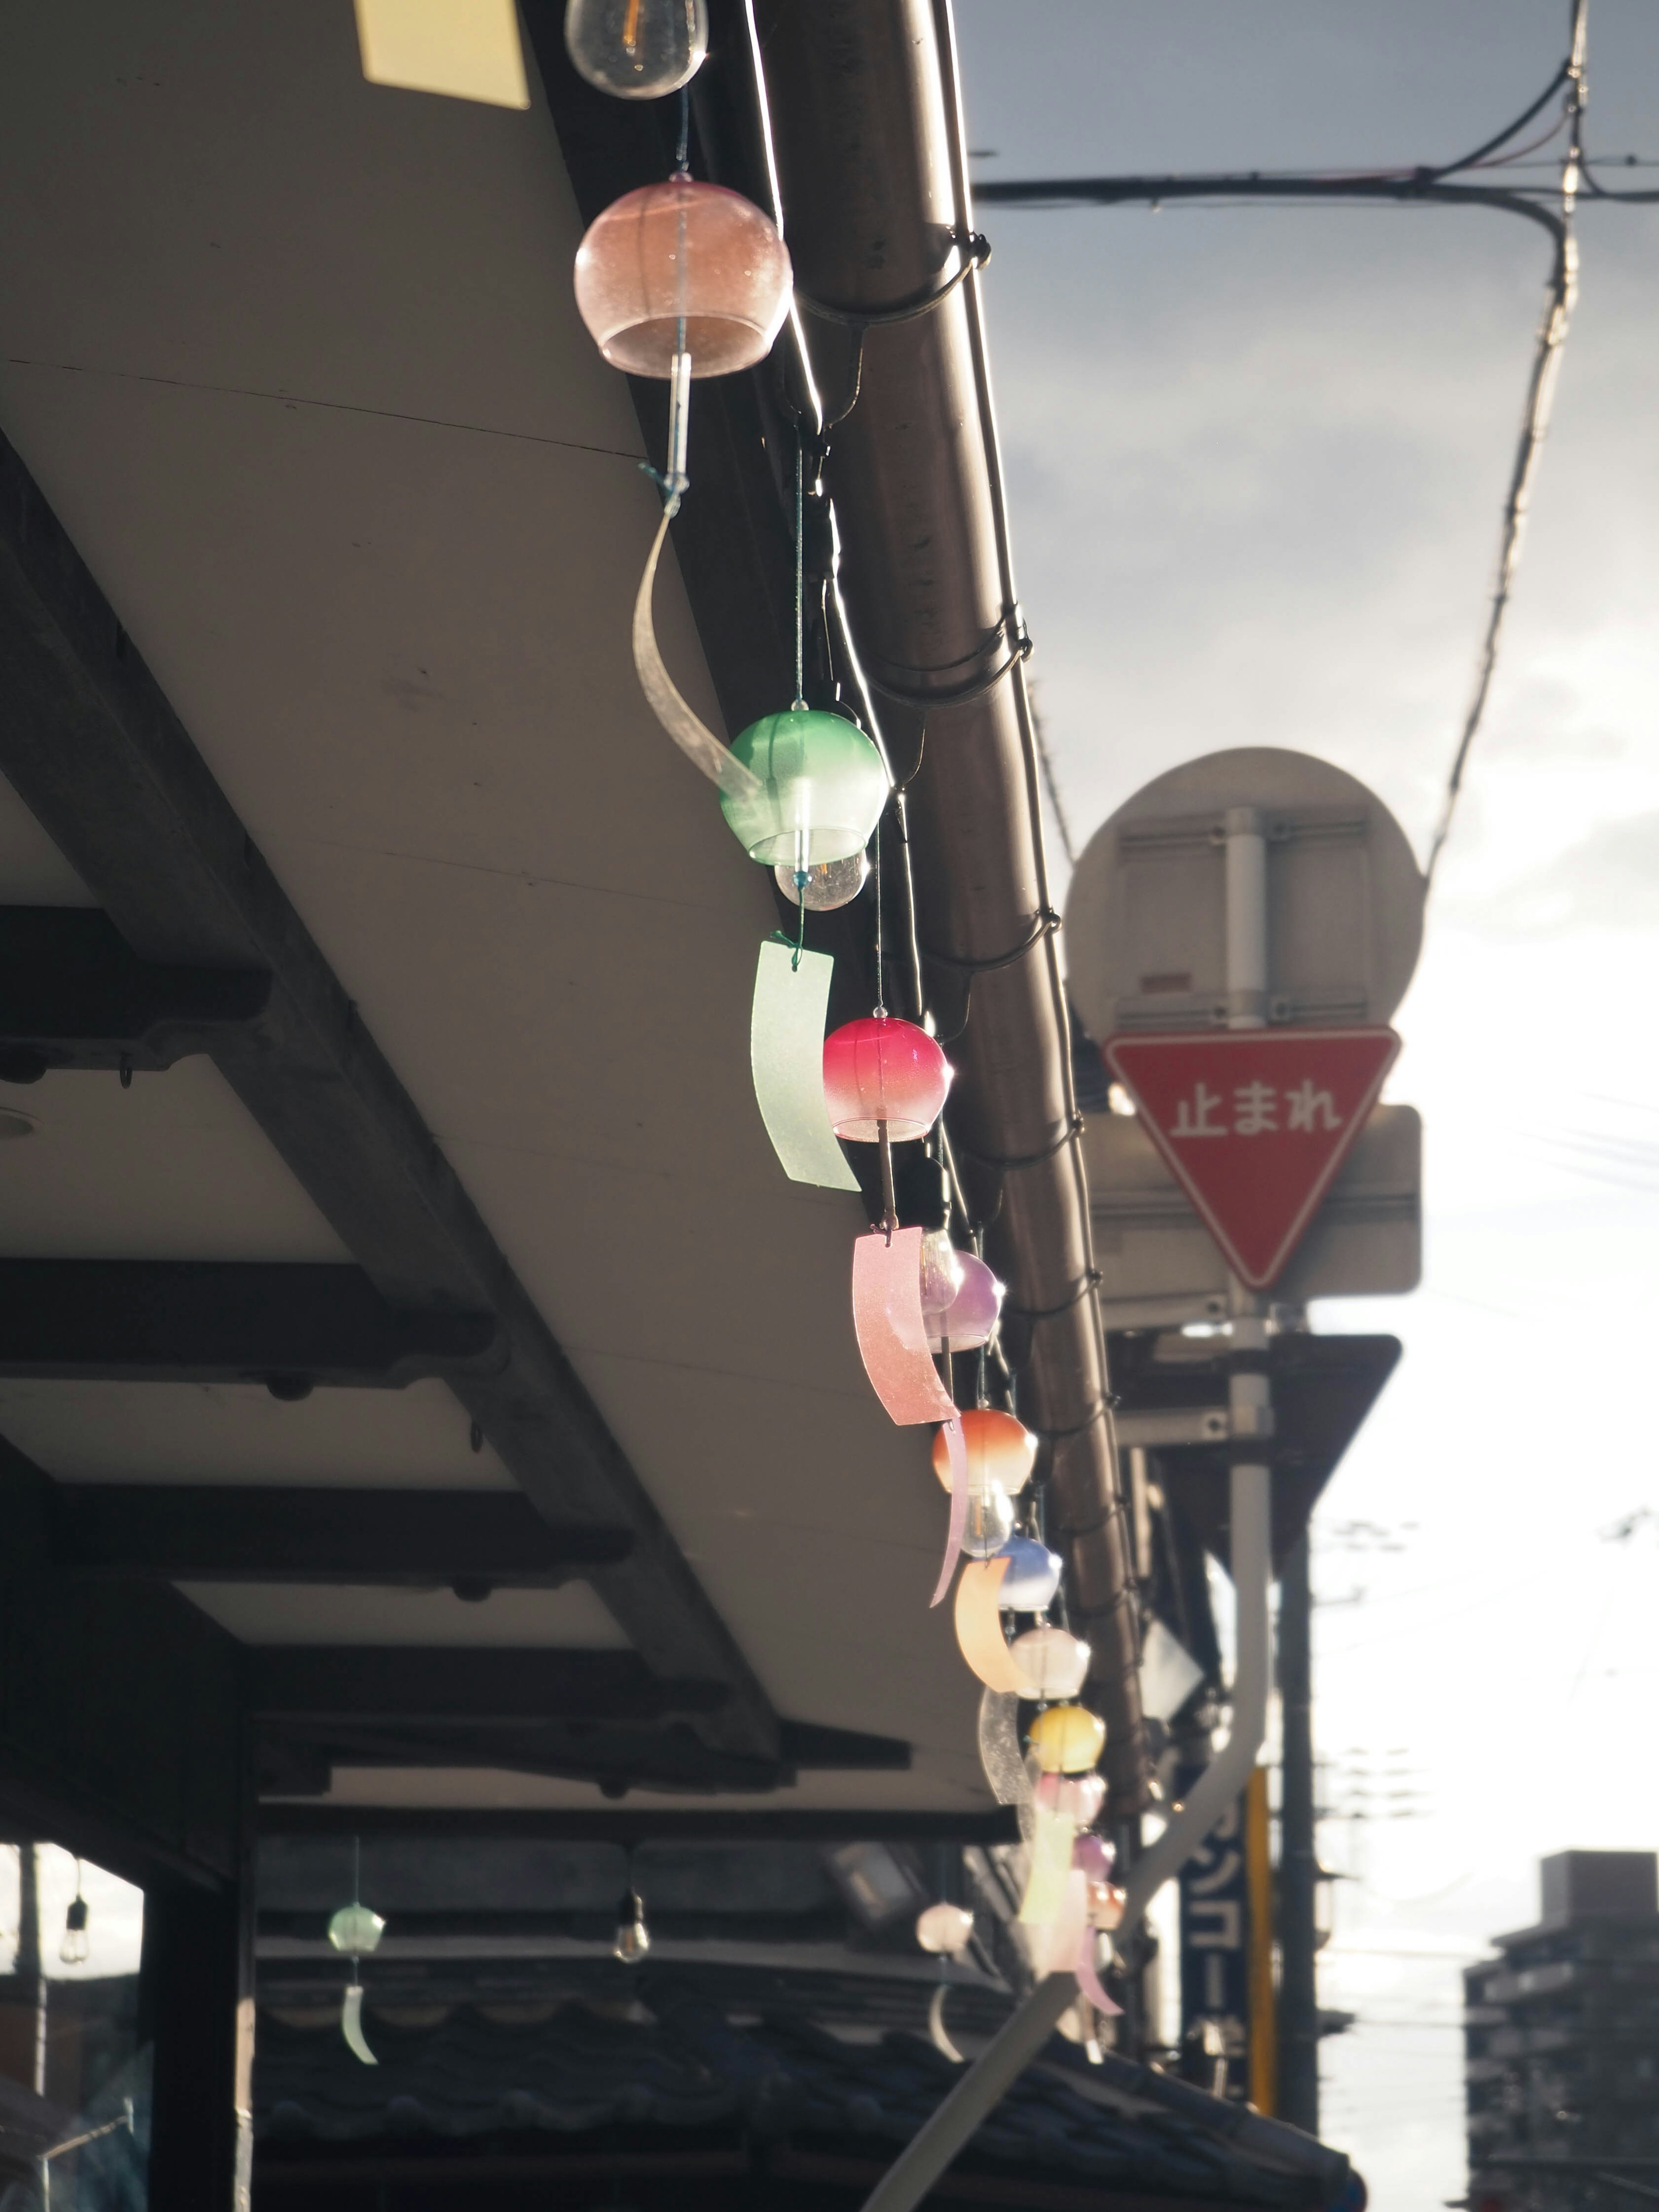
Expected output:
(1608, 880)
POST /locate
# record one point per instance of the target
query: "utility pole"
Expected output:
(1298, 1864)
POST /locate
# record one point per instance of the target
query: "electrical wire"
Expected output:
(1436, 185)
(1541, 391)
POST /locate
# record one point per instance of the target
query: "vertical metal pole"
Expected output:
(1247, 919)
(1259, 1879)
(1250, 1397)
(1298, 1875)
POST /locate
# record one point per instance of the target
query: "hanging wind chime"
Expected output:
(679, 281)
(354, 1931)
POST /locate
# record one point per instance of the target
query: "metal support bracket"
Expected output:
(74, 995)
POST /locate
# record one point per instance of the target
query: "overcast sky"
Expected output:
(1256, 461)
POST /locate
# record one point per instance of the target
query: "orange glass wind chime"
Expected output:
(679, 281)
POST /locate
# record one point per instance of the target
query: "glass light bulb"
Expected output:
(829, 883)
(77, 1947)
(990, 1522)
(637, 49)
(941, 1271)
(633, 1938)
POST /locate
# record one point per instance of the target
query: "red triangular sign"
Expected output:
(1253, 1124)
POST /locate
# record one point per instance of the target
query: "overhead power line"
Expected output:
(1551, 207)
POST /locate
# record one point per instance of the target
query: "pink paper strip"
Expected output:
(958, 1451)
(1088, 1981)
(891, 1334)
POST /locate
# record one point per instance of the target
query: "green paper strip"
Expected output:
(786, 1052)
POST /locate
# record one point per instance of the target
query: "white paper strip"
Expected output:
(786, 1055)
(352, 2024)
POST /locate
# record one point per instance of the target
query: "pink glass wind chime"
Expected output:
(683, 280)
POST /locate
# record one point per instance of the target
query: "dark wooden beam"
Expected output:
(290, 1325)
(615, 1824)
(196, 2013)
(121, 1731)
(486, 1687)
(472, 1540)
(73, 994)
(94, 751)
(616, 1735)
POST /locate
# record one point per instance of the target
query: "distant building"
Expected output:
(1563, 2046)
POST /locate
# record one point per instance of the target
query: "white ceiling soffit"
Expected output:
(294, 359)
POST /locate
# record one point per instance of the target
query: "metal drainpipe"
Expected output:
(865, 120)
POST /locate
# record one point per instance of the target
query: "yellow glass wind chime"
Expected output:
(682, 280)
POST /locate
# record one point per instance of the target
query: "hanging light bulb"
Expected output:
(633, 1938)
(989, 1522)
(820, 792)
(829, 883)
(941, 1279)
(637, 49)
(77, 1947)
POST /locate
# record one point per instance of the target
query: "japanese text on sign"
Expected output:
(1256, 1111)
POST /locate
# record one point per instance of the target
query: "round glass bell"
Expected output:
(1033, 1576)
(971, 1320)
(354, 1930)
(821, 789)
(1078, 1797)
(944, 1930)
(684, 251)
(999, 1449)
(1053, 1663)
(637, 49)
(1067, 1739)
(1094, 1856)
(829, 883)
(1105, 1903)
(990, 1522)
(884, 1070)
